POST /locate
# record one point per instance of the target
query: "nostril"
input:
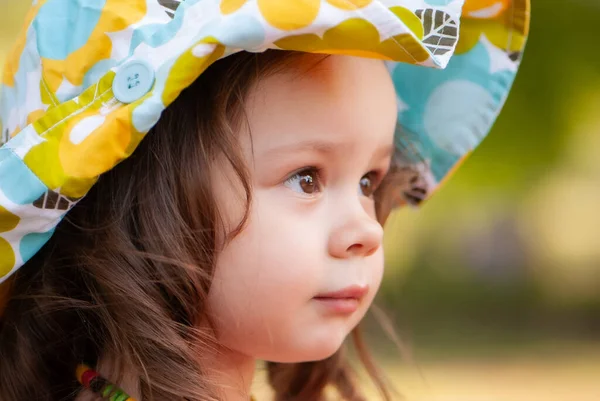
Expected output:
(356, 248)
(361, 249)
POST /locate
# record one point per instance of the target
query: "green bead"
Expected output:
(107, 390)
(124, 396)
(119, 395)
(114, 396)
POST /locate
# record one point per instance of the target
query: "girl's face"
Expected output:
(303, 272)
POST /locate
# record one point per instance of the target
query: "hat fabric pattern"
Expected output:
(87, 79)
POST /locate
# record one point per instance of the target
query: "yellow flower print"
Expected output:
(189, 66)
(84, 146)
(358, 37)
(92, 143)
(8, 222)
(484, 8)
(503, 22)
(349, 4)
(231, 6)
(7, 257)
(290, 14)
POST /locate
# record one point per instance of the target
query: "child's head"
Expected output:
(242, 207)
(314, 161)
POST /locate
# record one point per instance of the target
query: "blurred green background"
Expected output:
(494, 285)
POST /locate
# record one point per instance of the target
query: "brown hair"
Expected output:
(125, 277)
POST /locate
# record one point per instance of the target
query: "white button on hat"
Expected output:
(133, 80)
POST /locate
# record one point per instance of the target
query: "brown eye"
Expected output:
(366, 185)
(305, 181)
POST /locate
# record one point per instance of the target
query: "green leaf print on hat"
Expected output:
(170, 6)
(55, 201)
(441, 31)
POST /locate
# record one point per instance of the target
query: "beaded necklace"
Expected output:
(92, 380)
(108, 391)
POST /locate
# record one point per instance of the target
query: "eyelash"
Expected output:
(316, 172)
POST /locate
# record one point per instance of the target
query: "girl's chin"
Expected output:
(308, 351)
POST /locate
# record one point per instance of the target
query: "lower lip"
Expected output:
(339, 305)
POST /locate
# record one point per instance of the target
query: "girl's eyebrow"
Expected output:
(314, 145)
(324, 147)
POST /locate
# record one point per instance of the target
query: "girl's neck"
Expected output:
(233, 373)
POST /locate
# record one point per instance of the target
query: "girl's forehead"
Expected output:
(320, 86)
(315, 73)
(332, 102)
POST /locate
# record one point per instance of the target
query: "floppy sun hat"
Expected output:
(87, 79)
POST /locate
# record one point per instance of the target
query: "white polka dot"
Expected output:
(84, 128)
(202, 50)
(457, 116)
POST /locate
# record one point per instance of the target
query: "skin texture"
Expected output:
(335, 114)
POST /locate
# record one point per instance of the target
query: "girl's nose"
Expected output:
(357, 235)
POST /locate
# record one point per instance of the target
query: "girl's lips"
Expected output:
(344, 301)
(339, 305)
(354, 291)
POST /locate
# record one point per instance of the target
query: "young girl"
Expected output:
(247, 225)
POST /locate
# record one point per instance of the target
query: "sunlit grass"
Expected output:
(561, 379)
